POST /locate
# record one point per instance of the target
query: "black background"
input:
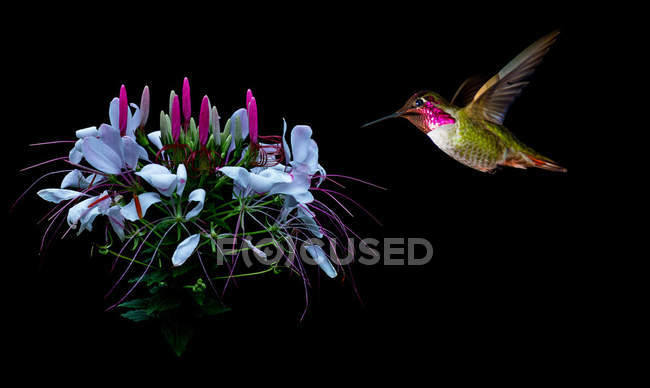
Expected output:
(503, 289)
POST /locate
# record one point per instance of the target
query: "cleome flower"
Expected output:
(185, 203)
(111, 153)
(293, 182)
(113, 147)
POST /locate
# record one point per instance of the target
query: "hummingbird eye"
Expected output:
(419, 102)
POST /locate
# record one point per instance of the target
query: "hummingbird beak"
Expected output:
(391, 116)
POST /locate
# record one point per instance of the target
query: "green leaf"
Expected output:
(225, 145)
(222, 223)
(135, 304)
(152, 277)
(226, 133)
(214, 307)
(136, 315)
(178, 271)
(192, 134)
(177, 336)
(162, 303)
(170, 140)
(238, 128)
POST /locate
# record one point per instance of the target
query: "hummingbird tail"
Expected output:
(527, 159)
(544, 163)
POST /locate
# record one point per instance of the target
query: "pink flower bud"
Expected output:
(187, 104)
(252, 120)
(124, 109)
(249, 95)
(176, 119)
(204, 121)
(144, 106)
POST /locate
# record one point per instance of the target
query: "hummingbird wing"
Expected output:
(467, 90)
(493, 99)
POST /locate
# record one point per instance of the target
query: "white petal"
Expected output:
(75, 156)
(258, 252)
(133, 121)
(77, 145)
(90, 131)
(130, 211)
(310, 164)
(287, 152)
(164, 183)
(76, 153)
(92, 178)
(104, 204)
(159, 177)
(78, 210)
(288, 206)
(152, 169)
(114, 112)
(87, 219)
(117, 221)
(111, 137)
(185, 249)
(58, 195)
(142, 154)
(303, 197)
(266, 180)
(259, 181)
(300, 137)
(239, 175)
(322, 176)
(181, 174)
(101, 156)
(197, 195)
(307, 218)
(131, 152)
(321, 259)
(85, 215)
(73, 179)
(305, 150)
(298, 188)
(155, 139)
(243, 119)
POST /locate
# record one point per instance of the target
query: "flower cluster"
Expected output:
(173, 196)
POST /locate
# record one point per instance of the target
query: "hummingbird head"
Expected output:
(426, 110)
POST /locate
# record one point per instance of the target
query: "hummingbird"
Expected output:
(470, 128)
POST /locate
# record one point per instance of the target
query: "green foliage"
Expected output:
(178, 335)
(176, 297)
(137, 315)
(157, 303)
(225, 134)
(192, 135)
(152, 278)
(174, 303)
(135, 304)
(238, 134)
(213, 307)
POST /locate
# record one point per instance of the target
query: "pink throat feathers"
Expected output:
(435, 117)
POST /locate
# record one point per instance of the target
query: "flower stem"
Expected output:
(125, 257)
(245, 274)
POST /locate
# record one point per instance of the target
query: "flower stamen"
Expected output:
(98, 200)
(138, 208)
